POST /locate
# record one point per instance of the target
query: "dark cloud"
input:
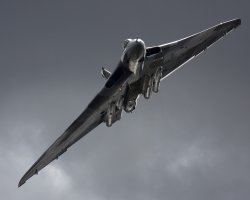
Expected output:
(190, 141)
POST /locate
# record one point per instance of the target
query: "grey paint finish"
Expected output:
(129, 78)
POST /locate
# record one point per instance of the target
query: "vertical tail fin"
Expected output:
(105, 73)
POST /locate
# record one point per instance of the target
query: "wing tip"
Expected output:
(228, 26)
(21, 182)
(234, 22)
(237, 22)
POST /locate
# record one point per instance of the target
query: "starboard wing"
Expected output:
(87, 121)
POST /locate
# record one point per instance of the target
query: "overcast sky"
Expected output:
(190, 141)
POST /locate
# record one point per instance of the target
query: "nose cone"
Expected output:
(135, 50)
(139, 49)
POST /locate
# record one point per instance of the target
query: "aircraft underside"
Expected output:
(139, 72)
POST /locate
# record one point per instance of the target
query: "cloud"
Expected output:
(57, 178)
(190, 141)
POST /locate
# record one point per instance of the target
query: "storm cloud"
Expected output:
(190, 141)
